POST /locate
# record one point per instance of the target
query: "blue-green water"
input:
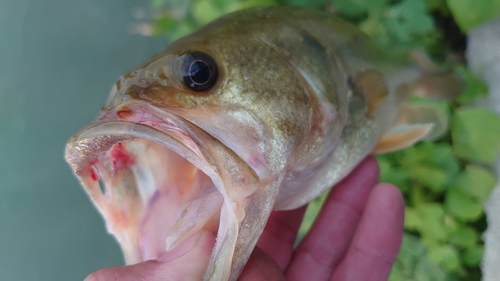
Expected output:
(58, 60)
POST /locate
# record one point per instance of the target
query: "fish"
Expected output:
(261, 110)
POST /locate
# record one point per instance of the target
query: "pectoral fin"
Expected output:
(402, 136)
(425, 114)
(416, 122)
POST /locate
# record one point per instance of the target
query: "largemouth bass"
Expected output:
(261, 110)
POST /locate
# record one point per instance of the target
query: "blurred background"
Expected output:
(59, 58)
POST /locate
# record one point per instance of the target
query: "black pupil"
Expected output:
(199, 72)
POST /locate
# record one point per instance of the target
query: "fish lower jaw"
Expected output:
(153, 199)
(156, 187)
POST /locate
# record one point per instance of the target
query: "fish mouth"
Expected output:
(157, 184)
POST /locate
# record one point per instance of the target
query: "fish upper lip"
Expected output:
(175, 133)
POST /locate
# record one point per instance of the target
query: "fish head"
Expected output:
(198, 137)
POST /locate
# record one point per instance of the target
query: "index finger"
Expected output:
(329, 238)
(376, 243)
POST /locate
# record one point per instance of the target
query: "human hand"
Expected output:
(356, 236)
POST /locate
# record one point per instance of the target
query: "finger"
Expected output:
(329, 238)
(260, 267)
(186, 262)
(280, 233)
(376, 243)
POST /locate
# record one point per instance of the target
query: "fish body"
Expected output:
(261, 110)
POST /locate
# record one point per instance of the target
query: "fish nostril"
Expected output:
(124, 112)
(142, 83)
(154, 89)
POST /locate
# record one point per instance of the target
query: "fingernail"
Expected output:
(182, 248)
(91, 277)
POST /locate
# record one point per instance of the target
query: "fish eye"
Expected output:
(198, 71)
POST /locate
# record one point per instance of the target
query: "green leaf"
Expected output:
(473, 255)
(312, 211)
(413, 263)
(412, 219)
(476, 134)
(474, 87)
(396, 176)
(415, 156)
(427, 270)
(306, 3)
(172, 28)
(471, 13)
(239, 5)
(427, 156)
(397, 273)
(205, 11)
(373, 26)
(408, 18)
(356, 8)
(445, 255)
(462, 205)
(181, 29)
(439, 154)
(476, 181)
(428, 219)
(433, 178)
(384, 163)
(465, 237)
(437, 5)
(163, 24)
(450, 226)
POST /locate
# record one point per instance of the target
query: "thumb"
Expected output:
(186, 262)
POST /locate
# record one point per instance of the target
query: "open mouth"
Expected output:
(154, 187)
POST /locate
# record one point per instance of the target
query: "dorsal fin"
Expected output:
(435, 83)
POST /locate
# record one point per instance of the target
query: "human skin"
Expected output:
(356, 236)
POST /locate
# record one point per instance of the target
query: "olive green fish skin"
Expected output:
(284, 94)
(285, 105)
(276, 66)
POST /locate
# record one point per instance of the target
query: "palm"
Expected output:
(355, 237)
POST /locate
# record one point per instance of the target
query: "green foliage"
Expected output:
(463, 207)
(473, 142)
(445, 185)
(407, 19)
(476, 181)
(444, 182)
(179, 18)
(414, 264)
(474, 87)
(312, 210)
(473, 255)
(359, 8)
(470, 13)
